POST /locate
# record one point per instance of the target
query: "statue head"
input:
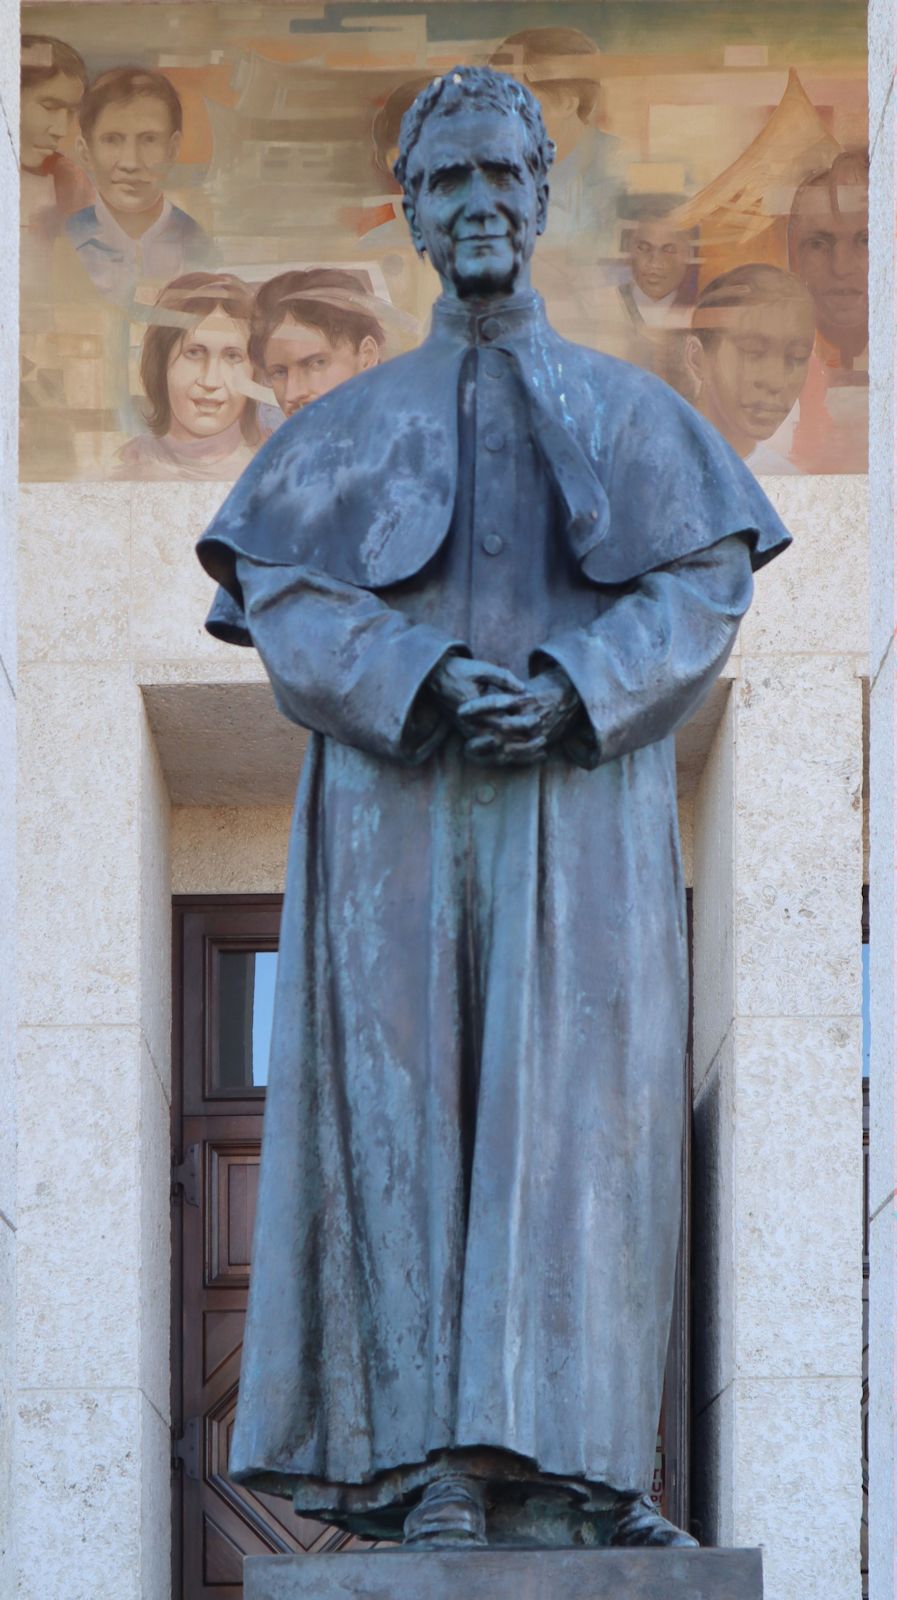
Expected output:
(473, 163)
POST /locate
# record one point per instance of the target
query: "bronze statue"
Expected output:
(493, 577)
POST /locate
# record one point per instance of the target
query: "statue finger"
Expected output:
(500, 678)
(491, 705)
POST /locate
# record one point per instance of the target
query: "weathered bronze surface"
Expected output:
(510, 1575)
(493, 576)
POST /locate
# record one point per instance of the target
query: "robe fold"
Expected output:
(469, 1196)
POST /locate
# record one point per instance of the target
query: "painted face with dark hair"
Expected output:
(473, 203)
(131, 147)
(830, 252)
(301, 363)
(208, 372)
(46, 115)
(750, 375)
(659, 258)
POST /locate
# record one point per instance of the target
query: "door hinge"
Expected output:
(186, 1449)
(185, 1177)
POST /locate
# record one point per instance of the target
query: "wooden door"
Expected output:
(224, 958)
(224, 951)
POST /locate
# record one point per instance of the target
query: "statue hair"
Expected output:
(478, 89)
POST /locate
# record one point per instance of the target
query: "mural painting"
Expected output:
(212, 235)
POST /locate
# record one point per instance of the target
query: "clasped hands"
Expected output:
(502, 720)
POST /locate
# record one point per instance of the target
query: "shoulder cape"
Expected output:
(361, 484)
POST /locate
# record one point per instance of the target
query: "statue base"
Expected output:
(508, 1575)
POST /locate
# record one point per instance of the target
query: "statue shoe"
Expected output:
(450, 1514)
(636, 1520)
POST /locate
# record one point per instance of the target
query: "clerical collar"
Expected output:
(487, 322)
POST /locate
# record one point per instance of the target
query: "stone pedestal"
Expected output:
(509, 1575)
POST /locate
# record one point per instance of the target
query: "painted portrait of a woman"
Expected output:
(201, 416)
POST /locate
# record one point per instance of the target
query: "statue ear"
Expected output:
(410, 211)
(541, 205)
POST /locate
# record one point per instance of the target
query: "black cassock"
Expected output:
(469, 1197)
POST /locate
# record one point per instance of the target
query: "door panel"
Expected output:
(219, 1104)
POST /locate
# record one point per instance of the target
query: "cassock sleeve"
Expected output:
(344, 663)
(644, 666)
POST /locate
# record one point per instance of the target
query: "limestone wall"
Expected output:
(883, 838)
(9, 143)
(130, 705)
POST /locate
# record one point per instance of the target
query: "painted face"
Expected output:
(473, 203)
(207, 376)
(46, 116)
(130, 150)
(751, 376)
(659, 258)
(301, 363)
(830, 253)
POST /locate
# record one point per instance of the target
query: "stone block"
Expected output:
(815, 599)
(509, 1575)
(798, 866)
(798, 1187)
(74, 572)
(9, 376)
(714, 896)
(7, 1402)
(79, 757)
(881, 65)
(154, 1157)
(225, 743)
(7, 967)
(78, 1507)
(79, 1208)
(883, 1407)
(882, 901)
(170, 593)
(229, 849)
(155, 1507)
(155, 907)
(796, 1487)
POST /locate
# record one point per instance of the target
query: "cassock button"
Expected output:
(490, 329)
(485, 794)
(493, 544)
(494, 439)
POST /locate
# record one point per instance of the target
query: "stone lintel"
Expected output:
(508, 1575)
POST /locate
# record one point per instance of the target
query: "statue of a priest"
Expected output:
(493, 577)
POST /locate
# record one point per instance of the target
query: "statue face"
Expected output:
(472, 202)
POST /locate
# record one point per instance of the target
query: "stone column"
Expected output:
(777, 909)
(93, 1405)
(882, 819)
(9, 341)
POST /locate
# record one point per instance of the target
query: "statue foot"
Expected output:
(636, 1520)
(450, 1515)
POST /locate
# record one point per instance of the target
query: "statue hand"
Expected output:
(503, 730)
(458, 682)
